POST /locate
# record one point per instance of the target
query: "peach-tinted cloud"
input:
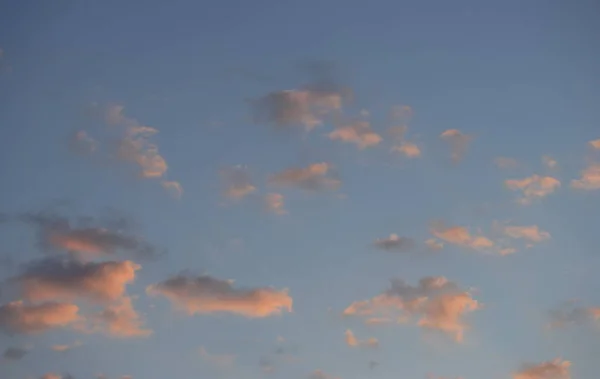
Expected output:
(571, 313)
(120, 319)
(434, 245)
(459, 235)
(409, 149)
(220, 360)
(394, 243)
(531, 233)
(590, 178)
(313, 177)
(319, 374)
(52, 376)
(352, 341)
(274, 203)
(533, 187)
(65, 348)
(173, 188)
(436, 302)
(358, 132)
(81, 143)
(18, 317)
(458, 141)
(236, 183)
(51, 279)
(505, 162)
(595, 144)
(306, 107)
(205, 294)
(555, 369)
(549, 161)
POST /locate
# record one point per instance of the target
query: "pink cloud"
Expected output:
(313, 177)
(352, 341)
(459, 235)
(274, 203)
(358, 132)
(18, 317)
(590, 178)
(533, 187)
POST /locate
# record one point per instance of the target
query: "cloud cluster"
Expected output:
(460, 236)
(352, 341)
(205, 294)
(359, 133)
(533, 188)
(436, 303)
(555, 369)
(314, 177)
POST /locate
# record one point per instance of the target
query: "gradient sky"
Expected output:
(470, 130)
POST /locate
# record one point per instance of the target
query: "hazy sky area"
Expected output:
(299, 189)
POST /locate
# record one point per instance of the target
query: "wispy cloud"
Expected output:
(530, 233)
(549, 162)
(408, 149)
(219, 360)
(81, 143)
(173, 188)
(314, 177)
(14, 353)
(205, 294)
(533, 188)
(571, 314)
(65, 348)
(236, 183)
(394, 243)
(359, 133)
(458, 141)
(505, 162)
(590, 178)
(555, 369)
(274, 203)
(595, 144)
(352, 341)
(460, 236)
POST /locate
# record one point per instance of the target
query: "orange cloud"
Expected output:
(555, 369)
(205, 294)
(120, 319)
(459, 143)
(52, 376)
(459, 235)
(314, 177)
(531, 233)
(173, 188)
(359, 133)
(394, 242)
(17, 317)
(533, 187)
(410, 150)
(590, 178)
(318, 374)
(352, 341)
(51, 279)
(595, 144)
(437, 304)
(236, 183)
(274, 203)
(505, 162)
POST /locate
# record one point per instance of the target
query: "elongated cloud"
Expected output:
(436, 303)
(65, 348)
(358, 133)
(460, 236)
(590, 178)
(408, 149)
(14, 353)
(17, 317)
(533, 188)
(52, 278)
(274, 203)
(458, 141)
(571, 314)
(236, 183)
(314, 177)
(531, 233)
(505, 162)
(307, 107)
(205, 294)
(394, 243)
(555, 369)
(352, 341)
(319, 374)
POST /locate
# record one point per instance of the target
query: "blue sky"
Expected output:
(482, 80)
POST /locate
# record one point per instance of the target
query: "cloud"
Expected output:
(434, 245)
(458, 141)
(205, 294)
(236, 183)
(352, 341)
(505, 162)
(173, 188)
(358, 132)
(531, 233)
(318, 374)
(17, 317)
(595, 144)
(81, 143)
(410, 150)
(14, 353)
(220, 360)
(533, 187)
(313, 177)
(52, 376)
(549, 161)
(65, 348)
(274, 203)
(401, 112)
(121, 320)
(555, 369)
(436, 303)
(53, 278)
(590, 178)
(394, 243)
(460, 236)
(306, 107)
(570, 314)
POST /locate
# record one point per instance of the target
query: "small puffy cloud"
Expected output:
(394, 243)
(274, 203)
(306, 108)
(531, 233)
(595, 144)
(14, 353)
(505, 162)
(436, 303)
(458, 141)
(17, 317)
(408, 149)
(555, 369)
(358, 133)
(219, 360)
(434, 245)
(65, 348)
(352, 341)
(205, 294)
(52, 278)
(533, 187)
(549, 162)
(173, 188)
(81, 143)
(313, 177)
(121, 320)
(459, 235)
(571, 313)
(236, 183)
(590, 178)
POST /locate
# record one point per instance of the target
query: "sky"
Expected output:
(317, 190)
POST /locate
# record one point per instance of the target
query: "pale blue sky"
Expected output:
(521, 78)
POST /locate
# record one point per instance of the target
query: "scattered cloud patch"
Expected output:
(358, 133)
(219, 360)
(434, 245)
(555, 369)
(236, 183)
(533, 188)
(530, 233)
(315, 177)
(65, 348)
(572, 314)
(121, 320)
(460, 236)
(595, 144)
(394, 243)
(352, 341)
(81, 143)
(458, 141)
(589, 180)
(173, 188)
(274, 203)
(549, 162)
